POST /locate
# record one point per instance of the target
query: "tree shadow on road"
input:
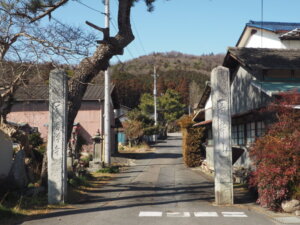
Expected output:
(150, 196)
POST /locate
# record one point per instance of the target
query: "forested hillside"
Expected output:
(184, 73)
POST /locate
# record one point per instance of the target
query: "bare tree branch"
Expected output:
(50, 9)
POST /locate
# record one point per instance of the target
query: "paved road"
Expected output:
(158, 190)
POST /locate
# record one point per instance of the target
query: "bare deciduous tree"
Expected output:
(25, 44)
(90, 66)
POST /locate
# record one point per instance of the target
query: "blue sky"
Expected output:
(190, 26)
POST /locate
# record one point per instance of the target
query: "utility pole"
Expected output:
(155, 96)
(107, 110)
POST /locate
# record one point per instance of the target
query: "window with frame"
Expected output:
(234, 134)
(260, 128)
(241, 134)
(238, 134)
(250, 132)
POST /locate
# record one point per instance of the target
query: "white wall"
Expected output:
(208, 109)
(266, 39)
(291, 44)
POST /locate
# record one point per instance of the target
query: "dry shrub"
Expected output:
(192, 150)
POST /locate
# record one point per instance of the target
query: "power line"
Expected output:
(65, 26)
(139, 38)
(112, 22)
(129, 52)
(262, 22)
(89, 7)
(115, 27)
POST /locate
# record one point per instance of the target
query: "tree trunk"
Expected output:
(90, 67)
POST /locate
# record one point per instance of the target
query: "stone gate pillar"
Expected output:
(57, 137)
(221, 124)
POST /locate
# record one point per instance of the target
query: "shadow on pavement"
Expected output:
(158, 196)
(149, 155)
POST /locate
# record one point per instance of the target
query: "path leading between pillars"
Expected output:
(159, 189)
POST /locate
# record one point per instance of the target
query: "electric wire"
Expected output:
(137, 34)
(139, 38)
(262, 22)
(115, 27)
(112, 22)
(89, 7)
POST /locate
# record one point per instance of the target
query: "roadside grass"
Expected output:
(6, 212)
(111, 169)
(82, 180)
(141, 148)
(16, 207)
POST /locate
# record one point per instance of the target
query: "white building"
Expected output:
(259, 34)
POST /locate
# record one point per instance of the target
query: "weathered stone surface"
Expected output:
(18, 171)
(221, 124)
(57, 137)
(6, 153)
(290, 206)
(297, 212)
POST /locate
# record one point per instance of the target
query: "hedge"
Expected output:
(192, 150)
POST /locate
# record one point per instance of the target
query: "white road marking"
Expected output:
(187, 214)
(234, 214)
(150, 214)
(178, 214)
(206, 214)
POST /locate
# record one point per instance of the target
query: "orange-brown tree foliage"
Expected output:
(276, 155)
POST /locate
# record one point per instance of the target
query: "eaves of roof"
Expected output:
(203, 123)
(262, 58)
(41, 93)
(275, 88)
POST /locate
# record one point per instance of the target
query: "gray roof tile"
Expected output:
(41, 93)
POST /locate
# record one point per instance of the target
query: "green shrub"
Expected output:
(112, 169)
(42, 149)
(79, 181)
(151, 130)
(35, 139)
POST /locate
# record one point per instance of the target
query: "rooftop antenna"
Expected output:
(262, 23)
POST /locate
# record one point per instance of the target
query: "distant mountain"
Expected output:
(184, 73)
(176, 71)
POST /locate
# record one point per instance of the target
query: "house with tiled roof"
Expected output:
(257, 76)
(31, 105)
(260, 34)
